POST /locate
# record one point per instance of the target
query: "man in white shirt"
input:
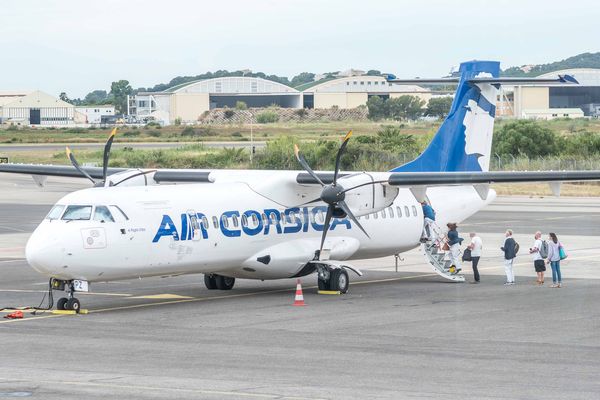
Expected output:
(538, 260)
(475, 246)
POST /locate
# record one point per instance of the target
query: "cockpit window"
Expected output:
(55, 212)
(102, 214)
(78, 213)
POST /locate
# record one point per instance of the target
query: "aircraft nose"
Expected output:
(43, 253)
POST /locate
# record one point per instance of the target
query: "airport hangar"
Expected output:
(553, 101)
(36, 108)
(190, 100)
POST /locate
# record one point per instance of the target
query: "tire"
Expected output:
(323, 285)
(61, 303)
(224, 282)
(340, 280)
(73, 304)
(210, 281)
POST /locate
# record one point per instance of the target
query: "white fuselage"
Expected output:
(223, 228)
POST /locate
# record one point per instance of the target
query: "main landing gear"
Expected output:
(335, 279)
(66, 303)
(214, 281)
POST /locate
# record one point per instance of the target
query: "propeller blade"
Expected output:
(71, 157)
(107, 147)
(305, 165)
(338, 157)
(344, 206)
(326, 227)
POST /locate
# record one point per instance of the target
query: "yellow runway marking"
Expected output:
(78, 293)
(329, 292)
(162, 296)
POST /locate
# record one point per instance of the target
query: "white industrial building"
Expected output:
(93, 114)
(34, 108)
(554, 100)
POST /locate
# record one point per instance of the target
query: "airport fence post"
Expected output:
(499, 163)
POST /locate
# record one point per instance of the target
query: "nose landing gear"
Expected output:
(66, 303)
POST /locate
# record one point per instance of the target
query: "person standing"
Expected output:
(554, 260)
(429, 215)
(454, 242)
(537, 252)
(510, 252)
(475, 246)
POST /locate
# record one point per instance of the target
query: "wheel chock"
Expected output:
(70, 312)
(330, 292)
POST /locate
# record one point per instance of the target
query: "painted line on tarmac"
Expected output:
(78, 293)
(231, 393)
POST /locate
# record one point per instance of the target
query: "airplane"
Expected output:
(268, 224)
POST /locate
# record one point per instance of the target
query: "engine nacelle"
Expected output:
(369, 198)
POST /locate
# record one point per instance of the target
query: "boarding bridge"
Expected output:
(437, 258)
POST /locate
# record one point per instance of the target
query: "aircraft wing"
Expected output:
(68, 171)
(465, 178)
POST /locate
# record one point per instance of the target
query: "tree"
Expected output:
(302, 78)
(241, 105)
(96, 97)
(119, 91)
(377, 109)
(404, 107)
(63, 96)
(526, 138)
(439, 106)
(373, 72)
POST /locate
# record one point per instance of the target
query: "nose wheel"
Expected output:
(70, 303)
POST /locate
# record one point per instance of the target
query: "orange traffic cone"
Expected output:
(14, 315)
(299, 300)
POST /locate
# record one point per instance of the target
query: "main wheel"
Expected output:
(224, 282)
(339, 280)
(61, 303)
(323, 285)
(73, 304)
(210, 281)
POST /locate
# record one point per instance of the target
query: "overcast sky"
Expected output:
(78, 46)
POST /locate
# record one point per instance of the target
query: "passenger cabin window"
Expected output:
(244, 221)
(383, 213)
(406, 211)
(215, 222)
(205, 223)
(118, 214)
(225, 221)
(375, 216)
(77, 213)
(235, 221)
(414, 211)
(56, 212)
(391, 211)
(102, 214)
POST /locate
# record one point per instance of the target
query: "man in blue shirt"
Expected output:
(429, 215)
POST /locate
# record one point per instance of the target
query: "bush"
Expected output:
(153, 133)
(301, 112)
(267, 117)
(177, 121)
(236, 134)
(528, 138)
(240, 105)
(188, 131)
(12, 127)
(228, 113)
(132, 133)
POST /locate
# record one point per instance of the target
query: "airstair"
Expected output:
(437, 258)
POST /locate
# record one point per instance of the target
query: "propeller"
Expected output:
(334, 194)
(105, 158)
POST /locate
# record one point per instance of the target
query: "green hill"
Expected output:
(584, 60)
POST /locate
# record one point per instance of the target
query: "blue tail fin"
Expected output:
(464, 140)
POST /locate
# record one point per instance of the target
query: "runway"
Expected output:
(405, 334)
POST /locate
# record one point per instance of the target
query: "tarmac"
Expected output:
(395, 335)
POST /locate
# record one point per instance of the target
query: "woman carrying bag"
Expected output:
(556, 252)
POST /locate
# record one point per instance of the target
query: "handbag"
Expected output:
(561, 252)
(467, 255)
